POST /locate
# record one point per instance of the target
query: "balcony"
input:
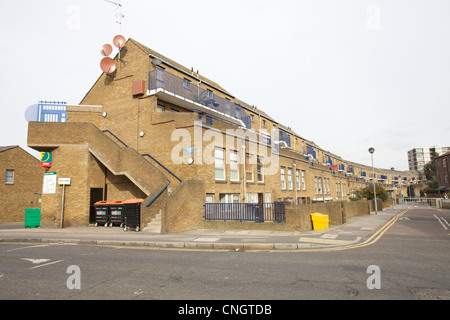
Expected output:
(184, 93)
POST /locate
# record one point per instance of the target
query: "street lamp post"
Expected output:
(393, 186)
(372, 150)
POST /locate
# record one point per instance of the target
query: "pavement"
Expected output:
(358, 231)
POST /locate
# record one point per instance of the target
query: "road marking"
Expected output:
(330, 236)
(445, 221)
(44, 265)
(206, 239)
(40, 245)
(373, 239)
(443, 225)
(323, 241)
(36, 261)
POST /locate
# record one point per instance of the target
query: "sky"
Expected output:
(347, 74)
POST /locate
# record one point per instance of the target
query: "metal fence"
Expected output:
(423, 202)
(259, 212)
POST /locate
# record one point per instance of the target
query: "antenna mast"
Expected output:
(119, 14)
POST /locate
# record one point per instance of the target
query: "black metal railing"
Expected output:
(259, 212)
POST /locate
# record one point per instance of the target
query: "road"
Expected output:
(411, 261)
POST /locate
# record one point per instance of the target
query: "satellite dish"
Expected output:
(106, 50)
(108, 65)
(119, 41)
(156, 61)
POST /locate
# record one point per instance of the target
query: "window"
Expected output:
(249, 167)
(444, 163)
(173, 110)
(328, 185)
(283, 178)
(219, 162)
(210, 198)
(252, 117)
(9, 176)
(264, 123)
(186, 84)
(259, 169)
(297, 179)
(290, 178)
(315, 185)
(227, 106)
(229, 198)
(209, 94)
(160, 108)
(234, 166)
(252, 198)
(303, 180)
(320, 185)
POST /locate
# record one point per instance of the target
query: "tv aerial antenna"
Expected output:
(119, 13)
(107, 64)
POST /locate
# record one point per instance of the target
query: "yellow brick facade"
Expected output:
(23, 187)
(163, 125)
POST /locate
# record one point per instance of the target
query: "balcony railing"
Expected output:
(259, 212)
(161, 80)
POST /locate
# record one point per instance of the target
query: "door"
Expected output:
(96, 195)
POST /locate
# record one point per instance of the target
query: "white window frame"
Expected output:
(315, 185)
(234, 165)
(290, 178)
(229, 197)
(303, 180)
(259, 169)
(9, 176)
(209, 198)
(249, 164)
(219, 163)
(283, 178)
(252, 198)
(297, 179)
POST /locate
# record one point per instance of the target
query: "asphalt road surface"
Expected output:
(409, 261)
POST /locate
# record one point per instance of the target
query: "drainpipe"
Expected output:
(243, 175)
(295, 182)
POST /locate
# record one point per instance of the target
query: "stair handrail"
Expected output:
(115, 137)
(173, 174)
(148, 155)
(150, 203)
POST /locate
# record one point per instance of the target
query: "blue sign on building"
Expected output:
(52, 111)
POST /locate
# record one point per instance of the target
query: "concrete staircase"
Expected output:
(113, 154)
(154, 226)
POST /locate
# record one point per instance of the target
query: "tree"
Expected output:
(411, 192)
(381, 192)
(431, 175)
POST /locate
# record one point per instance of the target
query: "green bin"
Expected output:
(32, 218)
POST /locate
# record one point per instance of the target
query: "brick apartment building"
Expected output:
(21, 184)
(157, 130)
(443, 172)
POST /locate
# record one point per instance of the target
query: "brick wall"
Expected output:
(26, 190)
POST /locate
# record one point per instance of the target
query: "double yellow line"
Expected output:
(374, 238)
